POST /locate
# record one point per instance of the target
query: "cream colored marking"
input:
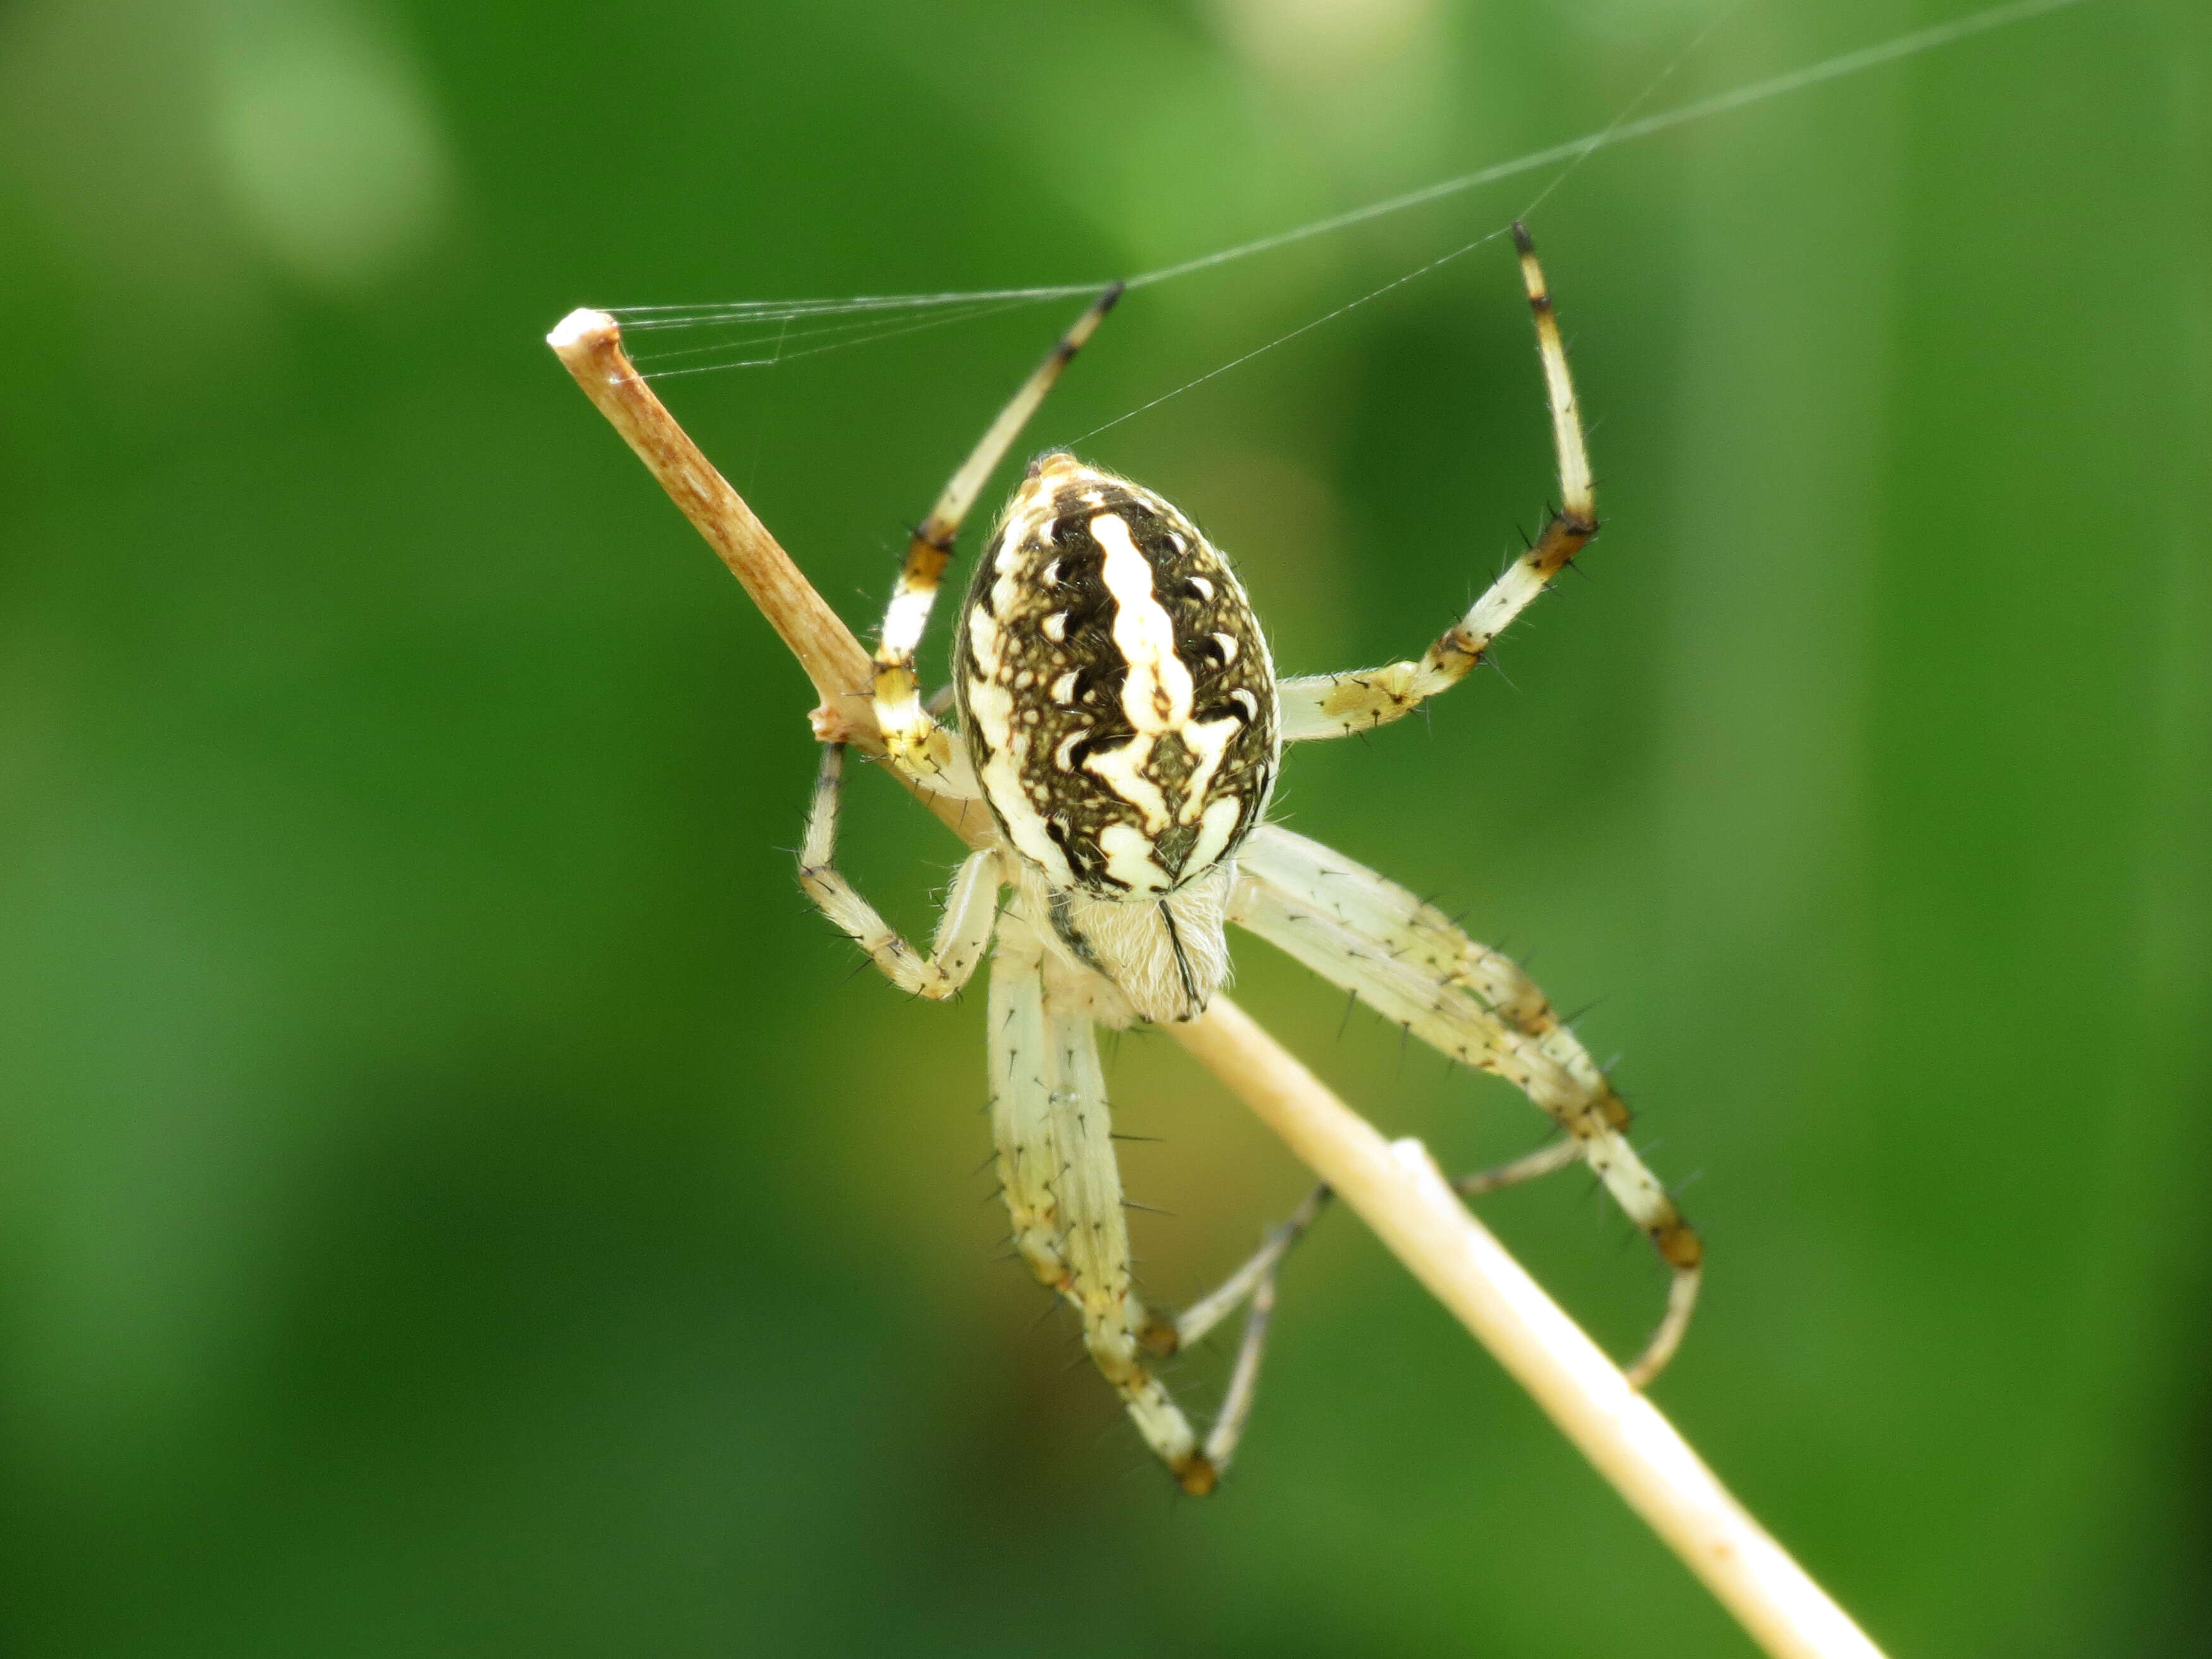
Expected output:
(909, 614)
(1002, 782)
(1157, 695)
(1209, 741)
(1063, 689)
(992, 707)
(1122, 771)
(1129, 859)
(984, 640)
(1229, 647)
(1244, 700)
(1055, 628)
(1214, 828)
(1063, 753)
(1013, 555)
(1205, 587)
(1011, 536)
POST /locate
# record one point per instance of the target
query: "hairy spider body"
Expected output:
(1119, 709)
(1120, 719)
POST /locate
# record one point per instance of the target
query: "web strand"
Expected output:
(1575, 149)
(1283, 339)
(886, 315)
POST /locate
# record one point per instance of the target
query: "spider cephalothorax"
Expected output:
(1120, 718)
(1118, 707)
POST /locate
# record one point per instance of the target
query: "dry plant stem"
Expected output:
(589, 345)
(1399, 1191)
(1395, 1189)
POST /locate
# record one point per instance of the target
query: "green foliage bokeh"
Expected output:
(456, 1199)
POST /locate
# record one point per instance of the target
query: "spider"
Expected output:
(1121, 717)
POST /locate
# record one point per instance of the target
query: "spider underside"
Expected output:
(1121, 717)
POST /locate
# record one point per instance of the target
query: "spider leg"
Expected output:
(918, 746)
(1331, 705)
(1407, 961)
(963, 933)
(1063, 1189)
(1243, 1381)
(1196, 1322)
(1541, 1161)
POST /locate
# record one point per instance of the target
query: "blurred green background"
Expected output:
(455, 1198)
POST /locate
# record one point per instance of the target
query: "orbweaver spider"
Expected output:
(1120, 718)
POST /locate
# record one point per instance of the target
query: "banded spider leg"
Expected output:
(964, 932)
(914, 740)
(1330, 705)
(1407, 960)
(1063, 1190)
(916, 743)
(1050, 1112)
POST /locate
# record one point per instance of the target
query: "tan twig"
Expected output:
(1395, 1187)
(589, 343)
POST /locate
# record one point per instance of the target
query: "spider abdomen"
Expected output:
(1117, 694)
